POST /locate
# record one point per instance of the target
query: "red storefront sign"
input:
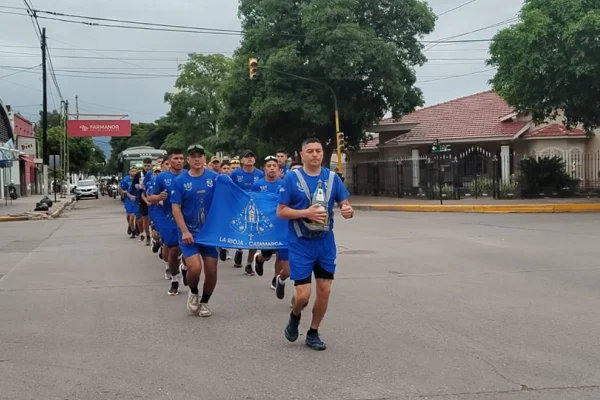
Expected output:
(93, 128)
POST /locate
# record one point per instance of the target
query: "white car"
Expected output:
(86, 188)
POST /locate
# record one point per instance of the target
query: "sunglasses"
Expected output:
(270, 158)
(235, 162)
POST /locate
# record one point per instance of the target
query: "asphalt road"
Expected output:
(425, 306)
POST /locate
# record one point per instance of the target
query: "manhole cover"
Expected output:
(357, 252)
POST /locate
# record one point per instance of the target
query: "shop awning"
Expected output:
(7, 156)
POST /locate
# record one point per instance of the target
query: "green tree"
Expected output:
(365, 50)
(83, 152)
(548, 62)
(197, 105)
(140, 136)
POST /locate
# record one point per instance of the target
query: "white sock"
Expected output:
(282, 281)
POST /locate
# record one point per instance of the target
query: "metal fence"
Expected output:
(476, 173)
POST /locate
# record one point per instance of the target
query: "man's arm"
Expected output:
(178, 215)
(285, 212)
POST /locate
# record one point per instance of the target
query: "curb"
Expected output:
(8, 218)
(62, 207)
(53, 215)
(485, 209)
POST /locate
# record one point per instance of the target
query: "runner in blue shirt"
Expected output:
(134, 192)
(271, 183)
(125, 185)
(282, 158)
(307, 199)
(143, 204)
(152, 209)
(191, 198)
(245, 177)
(165, 182)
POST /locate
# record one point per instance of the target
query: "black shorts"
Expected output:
(267, 253)
(143, 208)
(319, 273)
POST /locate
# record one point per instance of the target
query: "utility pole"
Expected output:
(45, 150)
(76, 107)
(66, 152)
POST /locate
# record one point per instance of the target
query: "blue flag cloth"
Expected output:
(242, 220)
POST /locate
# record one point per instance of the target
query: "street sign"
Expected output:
(442, 148)
(438, 148)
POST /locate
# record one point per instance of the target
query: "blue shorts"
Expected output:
(305, 253)
(135, 209)
(283, 254)
(127, 206)
(169, 234)
(189, 250)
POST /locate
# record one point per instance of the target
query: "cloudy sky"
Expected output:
(98, 64)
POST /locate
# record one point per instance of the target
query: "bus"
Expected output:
(135, 156)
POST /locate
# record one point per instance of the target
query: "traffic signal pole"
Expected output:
(253, 64)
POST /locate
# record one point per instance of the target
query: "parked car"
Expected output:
(86, 188)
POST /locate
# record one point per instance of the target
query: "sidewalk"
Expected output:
(24, 205)
(477, 205)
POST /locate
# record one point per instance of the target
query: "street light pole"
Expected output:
(335, 104)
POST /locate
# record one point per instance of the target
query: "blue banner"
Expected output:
(242, 220)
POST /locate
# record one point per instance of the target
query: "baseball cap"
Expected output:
(247, 153)
(214, 158)
(195, 148)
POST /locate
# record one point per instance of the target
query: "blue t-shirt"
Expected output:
(284, 170)
(125, 185)
(165, 181)
(147, 178)
(262, 185)
(244, 179)
(194, 194)
(135, 191)
(150, 190)
(292, 195)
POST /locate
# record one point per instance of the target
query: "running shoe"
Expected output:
(273, 282)
(204, 310)
(193, 303)
(167, 273)
(279, 288)
(314, 342)
(174, 291)
(291, 329)
(142, 237)
(258, 265)
(248, 270)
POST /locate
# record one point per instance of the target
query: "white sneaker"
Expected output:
(204, 310)
(193, 303)
(167, 274)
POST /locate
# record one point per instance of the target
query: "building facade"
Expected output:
(486, 139)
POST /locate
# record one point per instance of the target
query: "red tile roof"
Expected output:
(370, 144)
(471, 117)
(554, 129)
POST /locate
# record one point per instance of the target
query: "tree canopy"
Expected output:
(365, 51)
(548, 63)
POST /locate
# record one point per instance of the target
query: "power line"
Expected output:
(19, 71)
(456, 8)
(150, 26)
(456, 76)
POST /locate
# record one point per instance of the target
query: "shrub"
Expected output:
(546, 175)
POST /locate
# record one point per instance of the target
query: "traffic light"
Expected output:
(252, 66)
(341, 141)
